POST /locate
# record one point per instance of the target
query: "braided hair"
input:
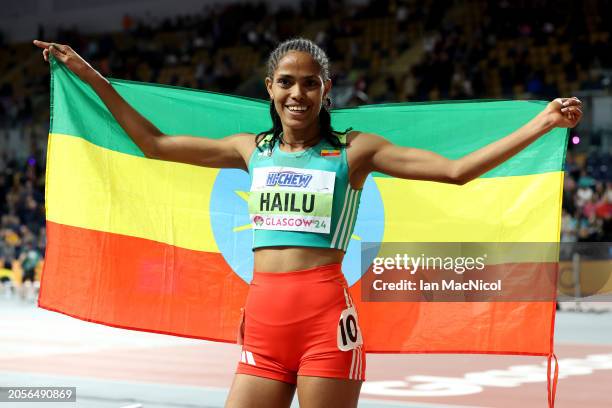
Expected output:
(307, 46)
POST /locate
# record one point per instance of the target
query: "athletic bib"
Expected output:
(349, 334)
(291, 199)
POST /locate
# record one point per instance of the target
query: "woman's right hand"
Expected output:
(69, 57)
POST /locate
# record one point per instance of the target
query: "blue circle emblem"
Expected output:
(231, 224)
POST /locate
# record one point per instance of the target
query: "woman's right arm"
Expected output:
(232, 151)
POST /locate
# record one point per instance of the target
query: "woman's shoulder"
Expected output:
(360, 139)
(251, 139)
(362, 146)
(244, 143)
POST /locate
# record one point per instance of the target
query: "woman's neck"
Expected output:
(300, 139)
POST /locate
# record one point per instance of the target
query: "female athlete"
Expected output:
(305, 179)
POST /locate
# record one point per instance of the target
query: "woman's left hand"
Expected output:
(564, 112)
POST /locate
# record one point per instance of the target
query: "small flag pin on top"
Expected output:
(330, 153)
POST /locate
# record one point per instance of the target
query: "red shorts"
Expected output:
(301, 323)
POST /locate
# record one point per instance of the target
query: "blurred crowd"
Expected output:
(587, 199)
(390, 50)
(22, 223)
(380, 51)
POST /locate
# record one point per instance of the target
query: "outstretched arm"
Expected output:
(409, 163)
(228, 152)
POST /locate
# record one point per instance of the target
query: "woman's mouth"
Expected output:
(297, 110)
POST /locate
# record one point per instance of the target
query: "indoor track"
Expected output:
(119, 368)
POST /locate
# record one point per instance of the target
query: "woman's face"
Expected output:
(298, 90)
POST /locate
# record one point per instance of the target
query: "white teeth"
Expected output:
(297, 108)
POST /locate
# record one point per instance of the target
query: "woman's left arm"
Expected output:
(410, 163)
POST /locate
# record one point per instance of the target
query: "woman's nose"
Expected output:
(297, 91)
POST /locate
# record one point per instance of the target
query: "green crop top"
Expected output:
(302, 198)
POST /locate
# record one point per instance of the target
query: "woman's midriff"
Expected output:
(287, 259)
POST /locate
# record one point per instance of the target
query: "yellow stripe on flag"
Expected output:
(169, 202)
(502, 209)
(123, 194)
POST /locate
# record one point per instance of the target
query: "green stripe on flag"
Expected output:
(452, 129)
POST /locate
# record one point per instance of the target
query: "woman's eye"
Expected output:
(283, 82)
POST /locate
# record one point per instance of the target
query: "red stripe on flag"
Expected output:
(140, 284)
(520, 328)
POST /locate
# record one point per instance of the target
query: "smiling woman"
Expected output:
(298, 84)
(300, 323)
(297, 89)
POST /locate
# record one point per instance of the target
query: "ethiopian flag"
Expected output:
(166, 247)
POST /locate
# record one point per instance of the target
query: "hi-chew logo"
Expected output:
(288, 179)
